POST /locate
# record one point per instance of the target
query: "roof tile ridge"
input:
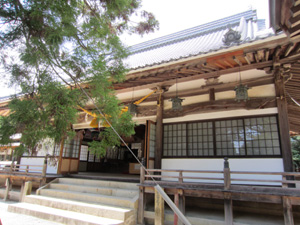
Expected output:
(188, 33)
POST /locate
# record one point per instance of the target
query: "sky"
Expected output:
(177, 15)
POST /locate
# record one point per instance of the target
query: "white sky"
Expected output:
(177, 15)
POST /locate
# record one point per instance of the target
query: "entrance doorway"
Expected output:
(118, 160)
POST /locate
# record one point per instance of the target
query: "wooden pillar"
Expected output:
(60, 157)
(159, 130)
(226, 173)
(176, 201)
(287, 211)
(22, 191)
(228, 211)
(27, 188)
(179, 200)
(8, 185)
(141, 208)
(44, 172)
(142, 203)
(159, 209)
(283, 121)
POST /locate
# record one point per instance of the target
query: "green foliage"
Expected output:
(67, 42)
(296, 150)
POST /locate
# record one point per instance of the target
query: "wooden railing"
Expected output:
(267, 187)
(23, 173)
(25, 170)
(223, 177)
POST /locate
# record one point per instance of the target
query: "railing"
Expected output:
(223, 177)
(24, 173)
(25, 170)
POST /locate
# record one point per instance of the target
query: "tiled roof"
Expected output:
(197, 40)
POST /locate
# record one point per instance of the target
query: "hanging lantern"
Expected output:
(132, 108)
(241, 93)
(176, 103)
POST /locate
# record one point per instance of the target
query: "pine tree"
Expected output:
(59, 44)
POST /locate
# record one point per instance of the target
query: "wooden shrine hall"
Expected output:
(217, 104)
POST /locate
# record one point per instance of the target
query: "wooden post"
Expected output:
(176, 201)
(284, 185)
(12, 166)
(141, 208)
(180, 179)
(26, 190)
(179, 201)
(159, 130)
(287, 211)
(228, 211)
(60, 157)
(159, 209)
(142, 174)
(227, 181)
(43, 181)
(8, 187)
(283, 121)
(22, 190)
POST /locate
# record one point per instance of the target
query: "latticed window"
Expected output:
(84, 152)
(71, 148)
(240, 137)
(230, 137)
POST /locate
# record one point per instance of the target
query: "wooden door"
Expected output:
(149, 153)
(69, 156)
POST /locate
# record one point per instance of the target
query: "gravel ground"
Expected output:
(8, 218)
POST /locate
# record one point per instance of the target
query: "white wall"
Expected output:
(251, 165)
(51, 168)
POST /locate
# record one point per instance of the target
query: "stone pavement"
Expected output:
(8, 218)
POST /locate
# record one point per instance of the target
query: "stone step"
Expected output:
(99, 183)
(59, 215)
(91, 197)
(93, 189)
(81, 207)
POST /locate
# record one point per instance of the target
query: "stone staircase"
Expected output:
(84, 202)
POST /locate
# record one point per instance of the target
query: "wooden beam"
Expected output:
(250, 57)
(228, 63)
(295, 20)
(221, 105)
(261, 54)
(212, 68)
(289, 48)
(247, 59)
(237, 60)
(294, 31)
(295, 10)
(165, 81)
(220, 66)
